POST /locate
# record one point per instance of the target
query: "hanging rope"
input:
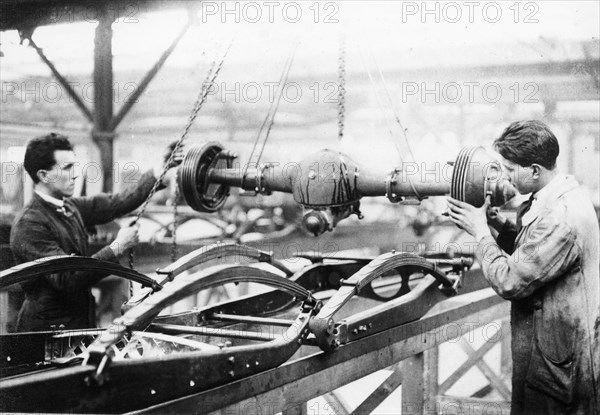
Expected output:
(270, 117)
(392, 106)
(390, 130)
(200, 100)
(341, 87)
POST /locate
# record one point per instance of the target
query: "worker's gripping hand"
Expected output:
(469, 218)
(126, 238)
(164, 163)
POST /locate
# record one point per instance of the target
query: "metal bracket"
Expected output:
(390, 181)
(456, 284)
(356, 284)
(260, 182)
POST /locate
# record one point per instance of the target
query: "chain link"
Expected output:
(175, 221)
(200, 100)
(341, 87)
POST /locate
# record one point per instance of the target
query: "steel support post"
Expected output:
(103, 96)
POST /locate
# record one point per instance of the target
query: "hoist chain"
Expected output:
(175, 222)
(341, 87)
(197, 106)
(200, 100)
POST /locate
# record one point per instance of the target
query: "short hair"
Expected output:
(528, 142)
(39, 154)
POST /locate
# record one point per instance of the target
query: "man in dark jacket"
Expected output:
(547, 266)
(54, 223)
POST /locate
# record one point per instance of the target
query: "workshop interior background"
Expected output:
(457, 73)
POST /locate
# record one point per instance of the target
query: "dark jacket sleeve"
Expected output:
(104, 207)
(31, 239)
(547, 253)
(507, 236)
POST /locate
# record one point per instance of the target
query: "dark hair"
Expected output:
(39, 154)
(528, 142)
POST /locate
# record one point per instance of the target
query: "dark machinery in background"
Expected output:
(329, 185)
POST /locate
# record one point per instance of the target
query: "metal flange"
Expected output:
(477, 175)
(193, 179)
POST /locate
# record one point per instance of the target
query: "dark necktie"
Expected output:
(523, 209)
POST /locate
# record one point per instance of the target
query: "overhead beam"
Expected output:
(61, 79)
(19, 14)
(147, 79)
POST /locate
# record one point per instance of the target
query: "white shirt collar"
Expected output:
(51, 199)
(541, 198)
(542, 195)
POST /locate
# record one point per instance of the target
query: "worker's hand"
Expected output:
(164, 163)
(492, 213)
(469, 218)
(126, 239)
(495, 219)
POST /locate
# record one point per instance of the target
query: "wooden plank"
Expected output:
(505, 351)
(472, 359)
(393, 381)
(300, 409)
(431, 375)
(334, 404)
(471, 406)
(314, 375)
(494, 379)
(413, 396)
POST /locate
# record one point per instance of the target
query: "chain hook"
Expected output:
(341, 86)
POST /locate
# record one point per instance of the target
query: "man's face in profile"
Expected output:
(521, 177)
(61, 177)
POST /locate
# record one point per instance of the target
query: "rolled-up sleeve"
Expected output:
(547, 253)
